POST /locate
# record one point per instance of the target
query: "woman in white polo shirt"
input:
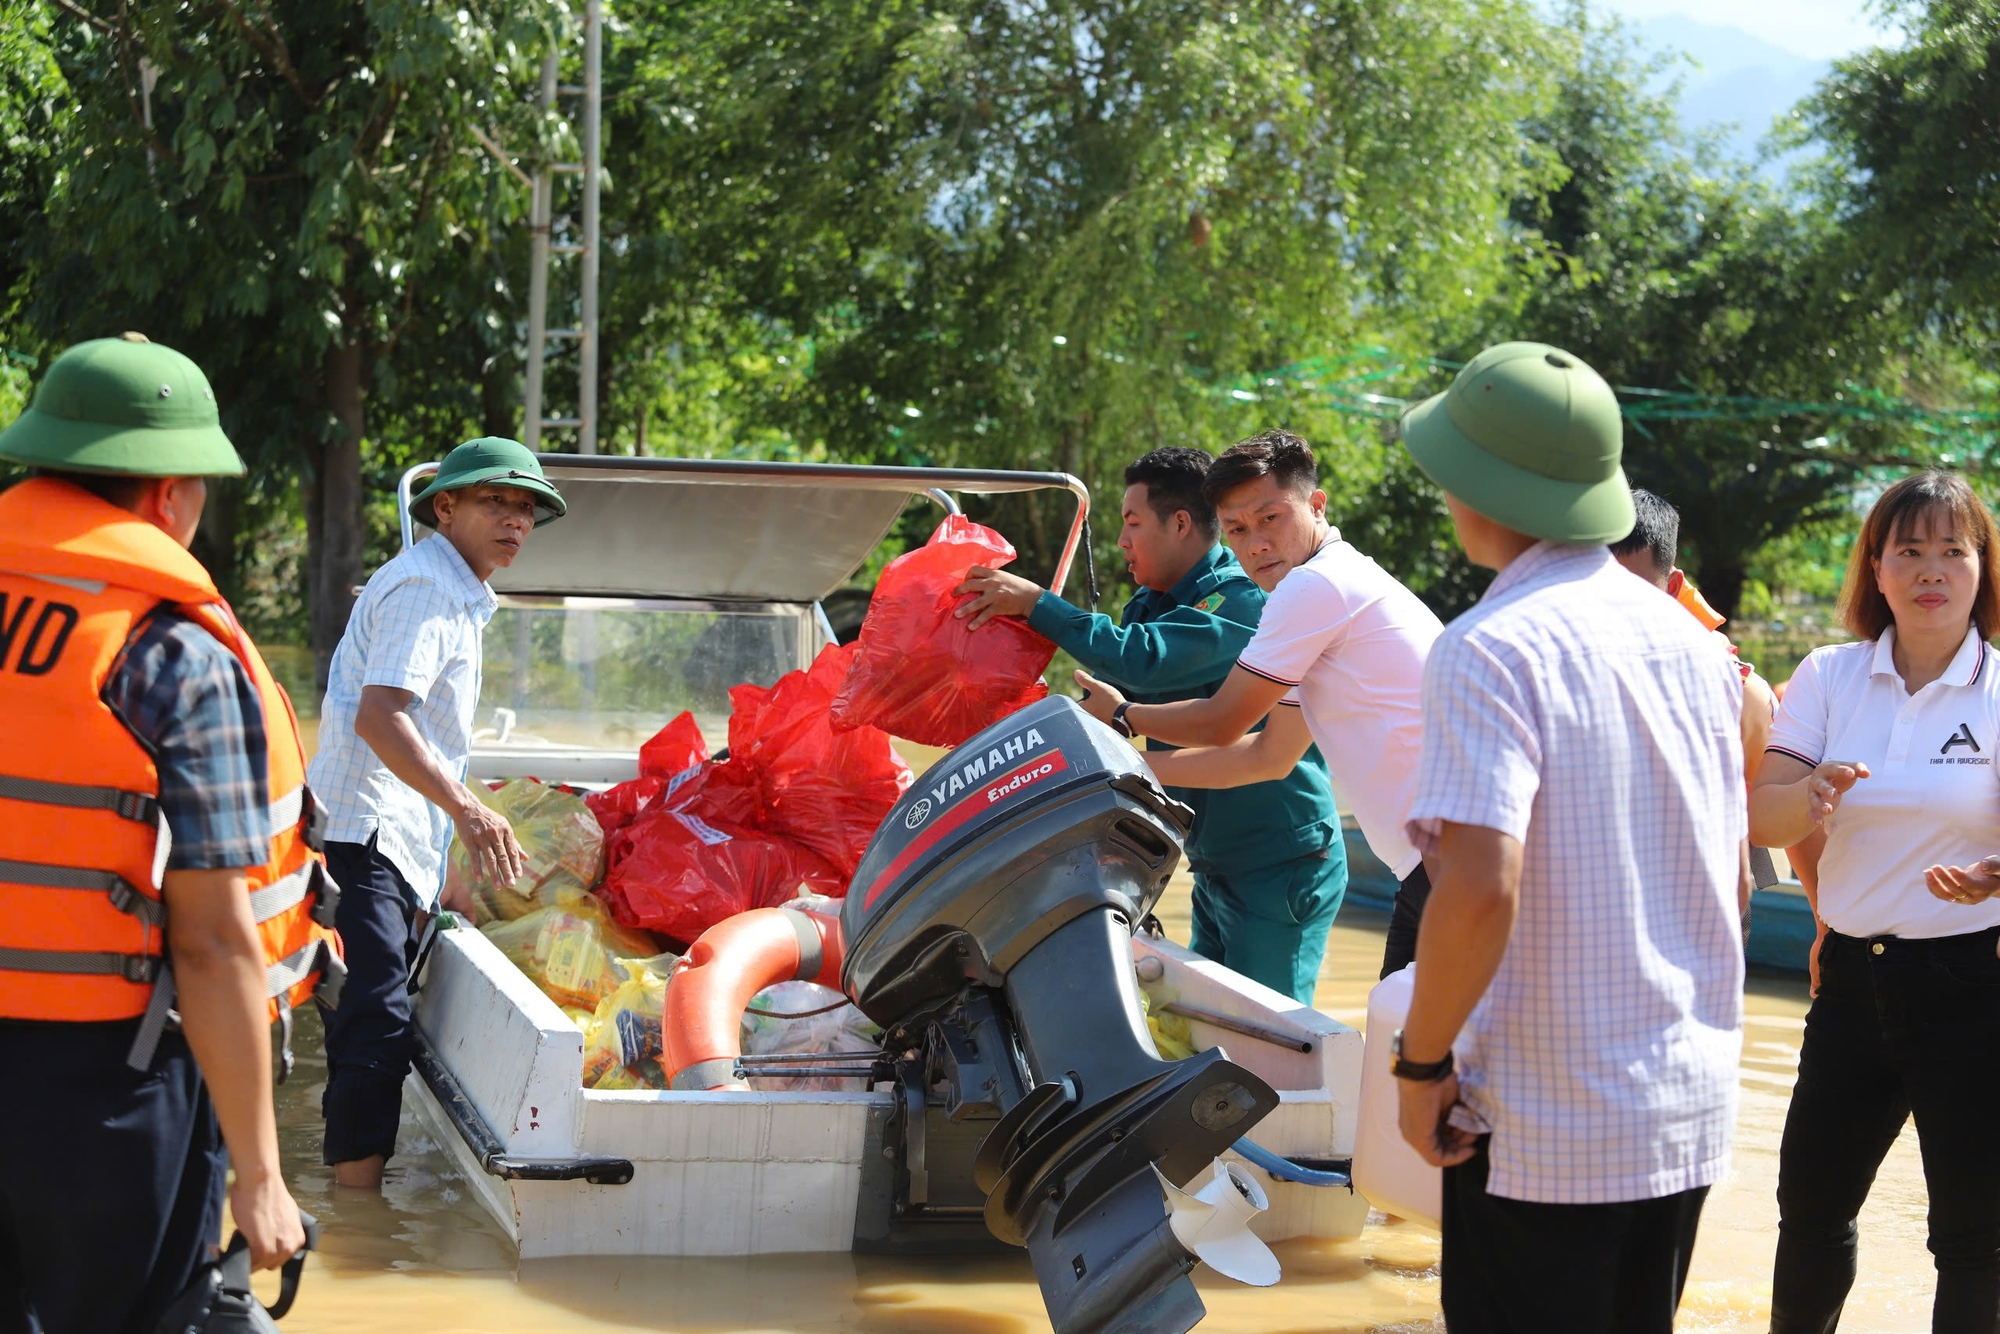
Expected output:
(1889, 743)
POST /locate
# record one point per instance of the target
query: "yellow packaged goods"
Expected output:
(1171, 1033)
(570, 949)
(622, 1042)
(563, 842)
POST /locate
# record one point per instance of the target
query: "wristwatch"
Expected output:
(1420, 1072)
(1118, 719)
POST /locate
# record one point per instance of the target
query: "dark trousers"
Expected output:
(1404, 919)
(368, 1039)
(1512, 1267)
(111, 1181)
(1899, 1028)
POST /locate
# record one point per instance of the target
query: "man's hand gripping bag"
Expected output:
(919, 673)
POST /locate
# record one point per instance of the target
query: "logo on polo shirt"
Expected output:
(1210, 603)
(1961, 738)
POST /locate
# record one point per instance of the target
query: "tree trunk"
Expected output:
(335, 542)
(500, 398)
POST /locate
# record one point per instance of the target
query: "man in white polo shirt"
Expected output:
(1341, 642)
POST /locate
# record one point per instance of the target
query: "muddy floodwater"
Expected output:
(424, 1256)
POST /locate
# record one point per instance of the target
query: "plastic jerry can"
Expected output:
(1390, 1174)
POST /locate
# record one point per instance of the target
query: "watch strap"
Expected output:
(1420, 1072)
(1118, 719)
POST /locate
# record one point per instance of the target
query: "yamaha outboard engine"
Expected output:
(989, 931)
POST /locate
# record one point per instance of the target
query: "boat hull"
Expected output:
(765, 1173)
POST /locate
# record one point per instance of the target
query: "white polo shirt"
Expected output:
(1931, 798)
(1351, 642)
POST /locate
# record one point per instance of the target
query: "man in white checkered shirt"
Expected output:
(395, 739)
(1581, 791)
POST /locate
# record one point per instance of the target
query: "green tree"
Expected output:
(1668, 270)
(298, 194)
(1054, 235)
(1913, 174)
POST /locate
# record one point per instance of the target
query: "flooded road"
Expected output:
(424, 1256)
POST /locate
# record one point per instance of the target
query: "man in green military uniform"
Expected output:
(1269, 866)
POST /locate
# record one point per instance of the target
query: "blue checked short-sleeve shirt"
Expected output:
(1581, 711)
(187, 699)
(416, 627)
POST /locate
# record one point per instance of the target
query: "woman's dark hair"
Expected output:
(1937, 500)
(1275, 453)
(1172, 477)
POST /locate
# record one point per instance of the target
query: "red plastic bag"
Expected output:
(674, 749)
(919, 673)
(679, 875)
(667, 762)
(825, 789)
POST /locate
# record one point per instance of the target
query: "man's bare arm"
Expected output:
(1260, 757)
(219, 977)
(383, 721)
(1467, 923)
(1222, 718)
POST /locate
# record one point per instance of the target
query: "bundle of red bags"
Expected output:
(920, 673)
(692, 841)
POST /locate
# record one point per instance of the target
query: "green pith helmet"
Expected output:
(495, 461)
(1531, 437)
(127, 406)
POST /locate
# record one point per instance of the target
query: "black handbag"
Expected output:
(219, 1301)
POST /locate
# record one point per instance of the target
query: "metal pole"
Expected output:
(593, 163)
(539, 218)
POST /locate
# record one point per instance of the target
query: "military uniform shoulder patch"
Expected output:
(1211, 603)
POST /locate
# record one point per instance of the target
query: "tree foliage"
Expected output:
(1667, 269)
(980, 232)
(296, 193)
(1914, 171)
(1041, 235)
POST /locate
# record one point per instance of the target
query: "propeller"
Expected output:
(1212, 1221)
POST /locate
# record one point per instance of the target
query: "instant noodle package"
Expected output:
(561, 836)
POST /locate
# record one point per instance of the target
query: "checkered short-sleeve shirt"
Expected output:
(1581, 711)
(417, 627)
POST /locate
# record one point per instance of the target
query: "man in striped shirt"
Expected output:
(394, 745)
(1570, 1051)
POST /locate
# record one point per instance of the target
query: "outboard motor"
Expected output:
(989, 931)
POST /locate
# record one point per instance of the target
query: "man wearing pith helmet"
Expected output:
(162, 900)
(394, 744)
(1570, 1052)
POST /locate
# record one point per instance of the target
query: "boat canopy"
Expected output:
(729, 530)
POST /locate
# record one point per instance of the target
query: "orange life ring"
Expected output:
(733, 961)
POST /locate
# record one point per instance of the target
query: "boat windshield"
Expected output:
(604, 674)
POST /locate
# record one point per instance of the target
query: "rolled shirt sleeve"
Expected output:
(1482, 753)
(1800, 727)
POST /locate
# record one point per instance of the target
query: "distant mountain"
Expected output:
(1737, 80)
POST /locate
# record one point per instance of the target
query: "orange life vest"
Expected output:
(83, 844)
(1683, 591)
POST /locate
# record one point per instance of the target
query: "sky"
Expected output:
(1815, 29)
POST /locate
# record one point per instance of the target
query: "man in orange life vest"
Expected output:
(157, 854)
